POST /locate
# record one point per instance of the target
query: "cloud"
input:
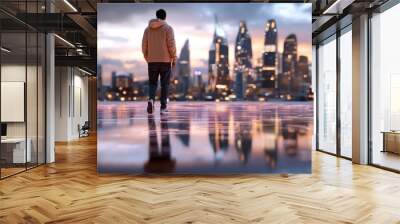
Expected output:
(121, 25)
(110, 61)
(134, 64)
(293, 13)
(107, 36)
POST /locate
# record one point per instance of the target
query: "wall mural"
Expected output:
(201, 88)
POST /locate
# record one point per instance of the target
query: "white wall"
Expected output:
(71, 102)
(16, 73)
(62, 82)
(80, 110)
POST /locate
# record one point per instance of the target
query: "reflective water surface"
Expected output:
(205, 138)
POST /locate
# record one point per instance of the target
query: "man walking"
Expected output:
(159, 50)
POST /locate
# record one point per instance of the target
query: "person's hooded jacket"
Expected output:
(158, 44)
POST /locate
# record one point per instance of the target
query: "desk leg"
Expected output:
(384, 142)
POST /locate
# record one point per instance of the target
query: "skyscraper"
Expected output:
(113, 79)
(183, 70)
(197, 79)
(197, 86)
(100, 92)
(122, 85)
(243, 57)
(218, 63)
(301, 83)
(303, 69)
(269, 69)
(243, 47)
(289, 63)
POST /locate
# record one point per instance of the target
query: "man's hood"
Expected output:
(156, 23)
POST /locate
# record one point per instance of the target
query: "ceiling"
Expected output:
(75, 22)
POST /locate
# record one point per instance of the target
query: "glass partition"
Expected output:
(41, 97)
(31, 97)
(346, 93)
(13, 94)
(327, 96)
(22, 77)
(385, 89)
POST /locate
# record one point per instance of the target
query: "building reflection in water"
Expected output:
(218, 134)
(270, 130)
(131, 116)
(289, 134)
(245, 137)
(183, 125)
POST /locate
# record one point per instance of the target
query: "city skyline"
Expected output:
(115, 55)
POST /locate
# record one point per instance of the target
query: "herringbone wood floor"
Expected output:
(71, 191)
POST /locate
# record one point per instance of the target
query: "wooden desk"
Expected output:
(16, 147)
(391, 141)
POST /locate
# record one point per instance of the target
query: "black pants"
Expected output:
(156, 69)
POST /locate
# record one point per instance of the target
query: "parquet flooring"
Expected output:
(71, 191)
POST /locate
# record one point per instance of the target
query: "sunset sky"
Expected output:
(121, 26)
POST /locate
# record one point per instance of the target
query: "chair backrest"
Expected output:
(86, 125)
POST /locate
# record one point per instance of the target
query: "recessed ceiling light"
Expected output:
(337, 7)
(64, 40)
(84, 71)
(5, 50)
(70, 5)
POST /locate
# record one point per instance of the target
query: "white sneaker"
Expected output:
(164, 111)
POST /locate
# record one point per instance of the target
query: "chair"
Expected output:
(84, 130)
